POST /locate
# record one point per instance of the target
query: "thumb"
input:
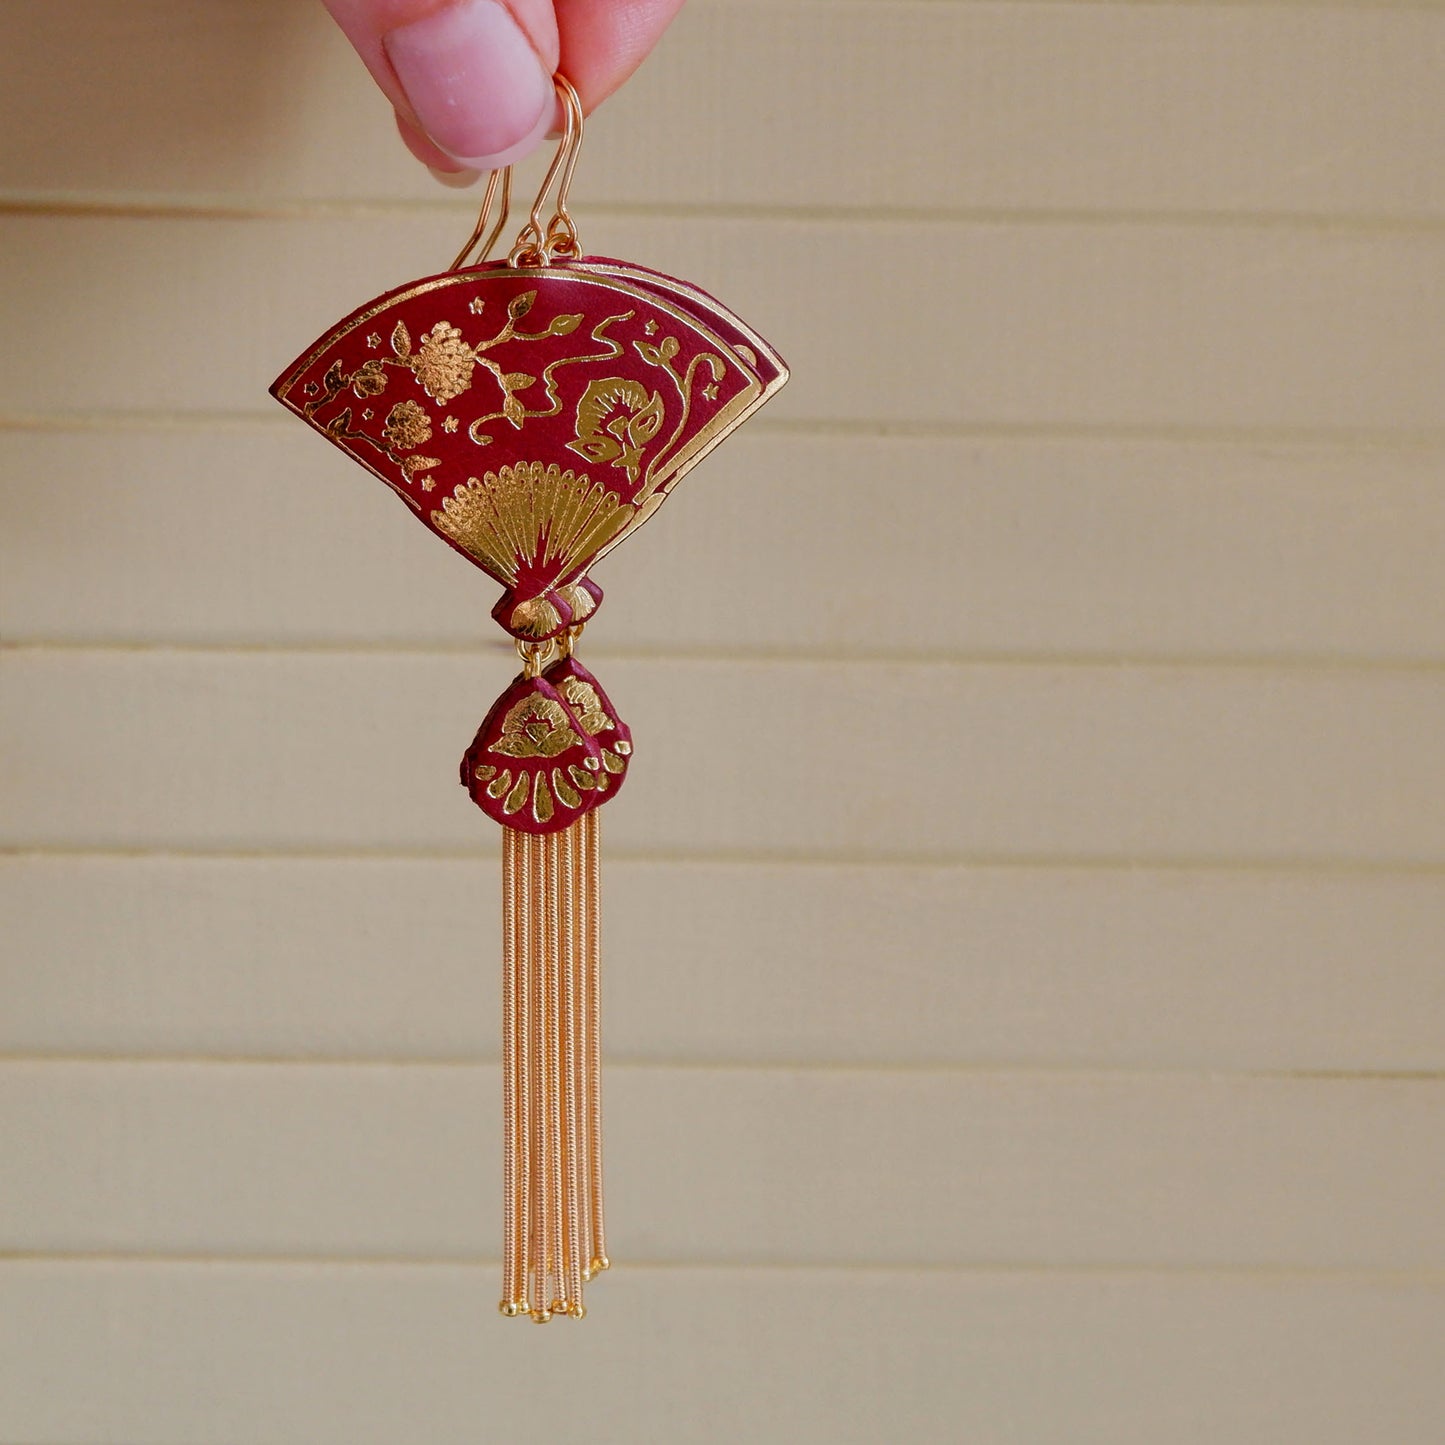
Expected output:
(471, 80)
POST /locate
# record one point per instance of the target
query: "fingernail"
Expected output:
(474, 82)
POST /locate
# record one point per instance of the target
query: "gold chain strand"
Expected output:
(537, 1246)
(581, 1054)
(511, 1236)
(548, 1241)
(572, 1177)
(551, 1091)
(557, 1299)
(592, 874)
(524, 1061)
(542, 1210)
(584, 1034)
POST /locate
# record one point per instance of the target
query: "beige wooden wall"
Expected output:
(1026, 1018)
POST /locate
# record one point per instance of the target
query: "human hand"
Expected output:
(471, 80)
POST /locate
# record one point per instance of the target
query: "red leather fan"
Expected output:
(534, 418)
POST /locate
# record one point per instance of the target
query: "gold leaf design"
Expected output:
(521, 304)
(443, 362)
(568, 795)
(612, 762)
(500, 785)
(541, 799)
(482, 773)
(518, 796)
(410, 466)
(582, 778)
(407, 426)
(400, 340)
(535, 727)
(596, 449)
(564, 325)
(536, 617)
(533, 515)
(580, 600)
(586, 705)
(658, 355)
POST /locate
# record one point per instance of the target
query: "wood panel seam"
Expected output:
(201, 207)
(1423, 1276)
(1350, 439)
(1113, 660)
(1131, 864)
(980, 1070)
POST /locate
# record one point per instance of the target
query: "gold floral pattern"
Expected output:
(443, 362)
(536, 727)
(616, 418)
(628, 408)
(583, 700)
(407, 426)
(369, 379)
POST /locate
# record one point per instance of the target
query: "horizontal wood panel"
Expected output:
(358, 751)
(844, 544)
(211, 1355)
(736, 963)
(737, 1166)
(1093, 107)
(1092, 326)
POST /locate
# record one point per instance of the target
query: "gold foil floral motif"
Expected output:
(583, 700)
(407, 426)
(369, 379)
(536, 727)
(442, 362)
(616, 418)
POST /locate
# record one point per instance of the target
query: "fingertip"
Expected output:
(602, 44)
(445, 168)
(473, 81)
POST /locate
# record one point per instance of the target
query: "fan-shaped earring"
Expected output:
(533, 413)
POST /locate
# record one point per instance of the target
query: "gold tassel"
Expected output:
(554, 1238)
(590, 873)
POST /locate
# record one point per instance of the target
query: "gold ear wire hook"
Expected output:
(536, 245)
(504, 178)
(562, 229)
